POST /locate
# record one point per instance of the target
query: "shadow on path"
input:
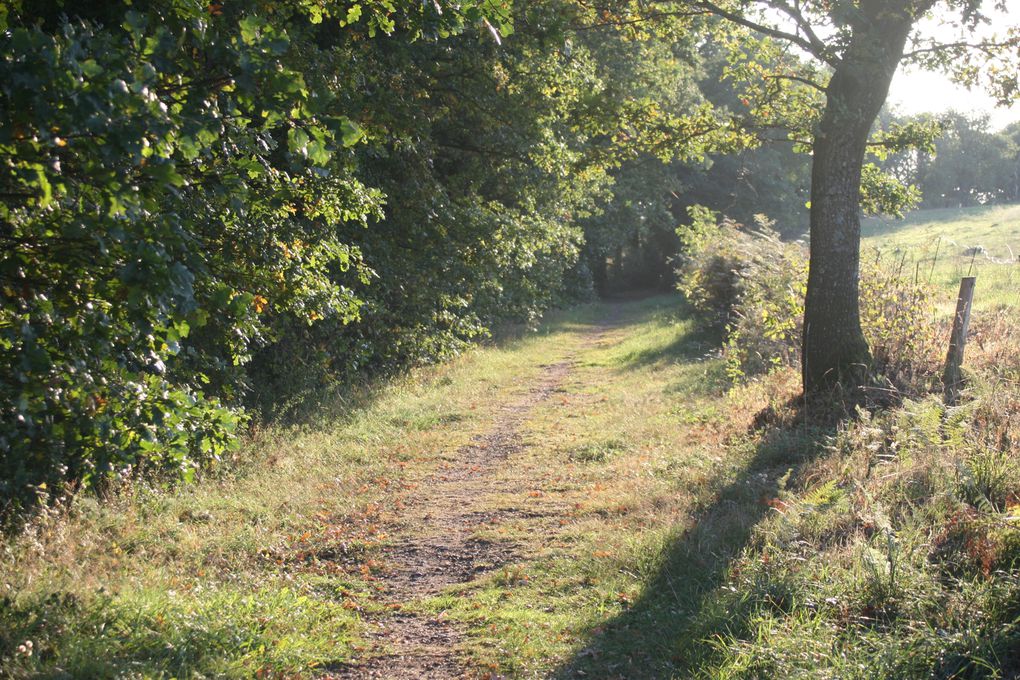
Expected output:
(663, 633)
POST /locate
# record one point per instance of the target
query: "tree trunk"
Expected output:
(600, 274)
(834, 349)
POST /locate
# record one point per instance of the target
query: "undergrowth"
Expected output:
(893, 550)
(896, 550)
(749, 285)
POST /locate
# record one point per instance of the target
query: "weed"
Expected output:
(596, 452)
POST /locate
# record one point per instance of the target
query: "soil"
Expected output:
(439, 549)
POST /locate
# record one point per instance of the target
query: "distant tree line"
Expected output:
(969, 165)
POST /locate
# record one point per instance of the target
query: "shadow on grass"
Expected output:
(697, 344)
(667, 631)
(694, 343)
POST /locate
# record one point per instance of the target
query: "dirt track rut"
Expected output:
(440, 550)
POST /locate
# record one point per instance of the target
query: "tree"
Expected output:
(176, 176)
(970, 165)
(859, 44)
(185, 188)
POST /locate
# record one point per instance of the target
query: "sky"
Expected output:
(917, 91)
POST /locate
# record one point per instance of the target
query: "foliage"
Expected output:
(627, 245)
(855, 50)
(180, 188)
(213, 207)
(768, 312)
(882, 193)
(750, 286)
(902, 322)
(499, 164)
(966, 165)
(710, 266)
(149, 195)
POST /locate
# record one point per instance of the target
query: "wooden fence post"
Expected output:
(952, 379)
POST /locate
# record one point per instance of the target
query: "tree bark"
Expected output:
(834, 349)
(600, 274)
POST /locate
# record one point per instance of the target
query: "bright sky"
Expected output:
(916, 91)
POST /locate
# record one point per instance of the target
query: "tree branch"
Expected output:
(771, 31)
(987, 47)
(637, 20)
(799, 79)
(795, 13)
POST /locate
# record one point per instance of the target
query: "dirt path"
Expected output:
(438, 549)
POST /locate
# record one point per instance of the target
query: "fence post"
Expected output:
(952, 379)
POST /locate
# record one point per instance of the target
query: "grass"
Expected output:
(263, 569)
(940, 245)
(662, 528)
(641, 528)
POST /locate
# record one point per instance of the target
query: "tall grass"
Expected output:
(893, 551)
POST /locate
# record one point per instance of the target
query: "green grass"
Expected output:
(934, 244)
(263, 567)
(660, 529)
(213, 632)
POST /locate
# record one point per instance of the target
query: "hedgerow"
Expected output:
(213, 212)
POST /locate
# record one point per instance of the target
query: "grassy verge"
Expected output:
(891, 552)
(943, 245)
(262, 570)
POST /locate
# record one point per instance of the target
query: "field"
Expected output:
(551, 473)
(592, 500)
(944, 245)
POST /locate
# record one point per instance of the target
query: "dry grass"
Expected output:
(661, 527)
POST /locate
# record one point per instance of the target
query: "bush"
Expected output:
(750, 286)
(900, 321)
(747, 285)
(144, 234)
(768, 314)
(709, 266)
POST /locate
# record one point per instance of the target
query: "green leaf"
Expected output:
(350, 133)
(297, 141)
(91, 68)
(251, 28)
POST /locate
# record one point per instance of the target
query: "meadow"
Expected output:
(941, 246)
(605, 501)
